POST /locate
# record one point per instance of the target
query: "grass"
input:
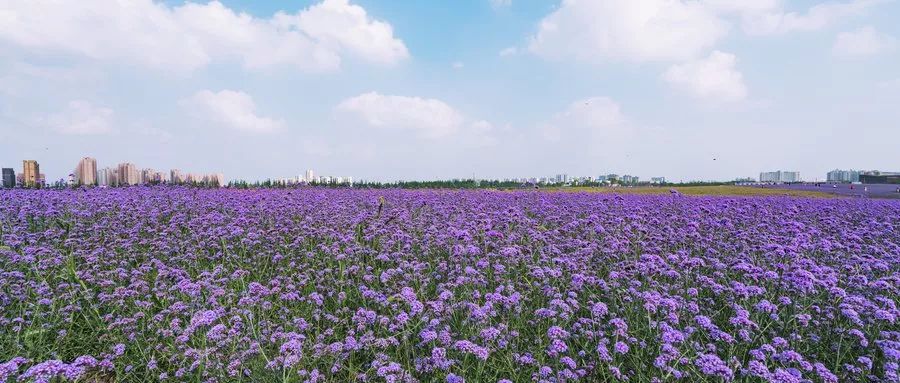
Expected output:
(719, 190)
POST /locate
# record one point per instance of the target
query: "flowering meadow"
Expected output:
(310, 285)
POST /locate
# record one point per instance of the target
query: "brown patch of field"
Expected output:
(719, 190)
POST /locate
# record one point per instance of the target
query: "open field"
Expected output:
(315, 285)
(845, 190)
(718, 190)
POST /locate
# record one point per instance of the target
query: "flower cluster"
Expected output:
(176, 284)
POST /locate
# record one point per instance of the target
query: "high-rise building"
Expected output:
(310, 176)
(86, 172)
(107, 177)
(9, 178)
(148, 175)
(127, 174)
(175, 176)
(779, 177)
(657, 180)
(31, 173)
(837, 175)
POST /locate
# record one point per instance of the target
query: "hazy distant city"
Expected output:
(87, 173)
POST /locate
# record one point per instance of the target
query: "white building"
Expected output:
(107, 177)
(779, 177)
(837, 175)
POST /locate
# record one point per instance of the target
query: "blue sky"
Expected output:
(703, 89)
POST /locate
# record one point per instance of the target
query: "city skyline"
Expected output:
(86, 173)
(404, 90)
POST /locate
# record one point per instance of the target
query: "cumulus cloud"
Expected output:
(231, 109)
(865, 41)
(714, 77)
(670, 30)
(430, 117)
(743, 6)
(594, 117)
(772, 19)
(189, 36)
(82, 118)
(627, 30)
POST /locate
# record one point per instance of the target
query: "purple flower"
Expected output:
(712, 365)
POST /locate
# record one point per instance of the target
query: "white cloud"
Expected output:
(482, 134)
(865, 41)
(596, 117)
(742, 6)
(714, 77)
(594, 113)
(341, 26)
(232, 109)
(509, 51)
(430, 117)
(189, 36)
(500, 3)
(628, 30)
(82, 118)
(775, 20)
(158, 134)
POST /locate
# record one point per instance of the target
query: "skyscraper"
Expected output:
(31, 173)
(128, 174)
(106, 177)
(148, 175)
(175, 176)
(9, 178)
(310, 176)
(86, 172)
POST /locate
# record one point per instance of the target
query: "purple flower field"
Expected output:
(177, 284)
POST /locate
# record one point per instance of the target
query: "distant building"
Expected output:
(310, 176)
(175, 176)
(9, 178)
(31, 174)
(779, 177)
(843, 176)
(86, 172)
(657, 180)
(107, 177)
(127, 174)
(217, 179)
(877, 177)
(627, 179)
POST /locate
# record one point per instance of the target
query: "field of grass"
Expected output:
(719, 190)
